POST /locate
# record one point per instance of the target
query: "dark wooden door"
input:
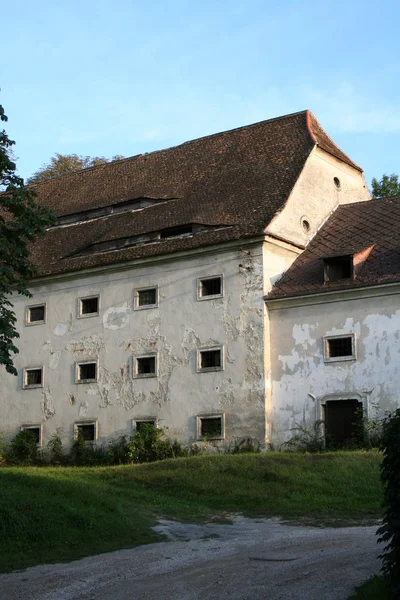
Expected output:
(343, 421)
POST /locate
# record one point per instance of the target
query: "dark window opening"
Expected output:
(210, 359)
(211, 427)
(87, 371)
(338, 347)
(210, 287)
(36, 314)
(176, 231)
(34, 433)
(343, 423)
(87, 431)
(142, 425)
(146, 365)
(147, 297)
(340, 267)
(33, 377)
(89, 305)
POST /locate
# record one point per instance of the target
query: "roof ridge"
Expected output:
(324, 144)
(212, 135)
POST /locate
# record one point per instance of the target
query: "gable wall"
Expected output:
(315, 196)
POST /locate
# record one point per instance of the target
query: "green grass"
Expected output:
(57, 514)
(373, 589)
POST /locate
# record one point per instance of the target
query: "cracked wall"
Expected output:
(175, 330)
(302, 380)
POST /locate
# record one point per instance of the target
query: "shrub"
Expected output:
(87, 454)
(118, 451)
(390, 476)
(55, 448)
(23, 449)
(244, 446)
(307, 439)
(150, 444)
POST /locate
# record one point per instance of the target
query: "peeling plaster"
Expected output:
(117, 317)
(83, 409)
(62, 328)
(302, 372)
(54, 357)
(48, 408)
(89, 345)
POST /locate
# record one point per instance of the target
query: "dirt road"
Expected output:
(250, 559)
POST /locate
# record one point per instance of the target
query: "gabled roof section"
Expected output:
(323, 141)
(367, 231)
(233, 183)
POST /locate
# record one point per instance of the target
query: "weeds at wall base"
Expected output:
(150, 444)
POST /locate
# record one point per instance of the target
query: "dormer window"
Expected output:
(338, 268)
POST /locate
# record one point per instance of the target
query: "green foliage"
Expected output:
(23, 449)
(55, 448)
(118, 451)
(244, 446)
(87, 454)
(150, 444)
(21, 220)
(62, 164)
(375, 588)
(390, 476)
(307, 439)
(388, 185)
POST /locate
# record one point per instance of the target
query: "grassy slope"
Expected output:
(53, 514)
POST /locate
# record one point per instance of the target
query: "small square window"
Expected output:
(36, 431)
(145, 366)
(36, 315)
(338, 268)
(339, 347)
(210, 359)
(146, 298)
(86, 372)
(89, 307)
(139, 423)
(33, 377)
(211, 427)
(210, 287)
(87, 430)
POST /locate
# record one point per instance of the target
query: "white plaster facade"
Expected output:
(272, 374)
(303, 381)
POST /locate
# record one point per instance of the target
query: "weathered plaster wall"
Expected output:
(301, 380)
(175, 329)
(315, 196)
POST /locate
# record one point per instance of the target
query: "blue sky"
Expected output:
(101, 78)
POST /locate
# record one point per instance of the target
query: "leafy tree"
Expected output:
(62, 164)
(21, 220)
(389, 185)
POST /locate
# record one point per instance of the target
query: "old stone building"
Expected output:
(150, 305)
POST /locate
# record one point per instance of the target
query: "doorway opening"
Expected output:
(343, 423)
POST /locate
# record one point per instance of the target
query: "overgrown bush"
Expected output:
(55, 448)
(245, 445)
(23, 449)
(390, 476)
(150, 444)
(307, 439)
(87, 454)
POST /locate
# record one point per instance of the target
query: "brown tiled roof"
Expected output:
(234, 181)
(368, 230)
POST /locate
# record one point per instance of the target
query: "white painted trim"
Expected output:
(200, 280)
(29, 323)
(199, 418)
(210, 349)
